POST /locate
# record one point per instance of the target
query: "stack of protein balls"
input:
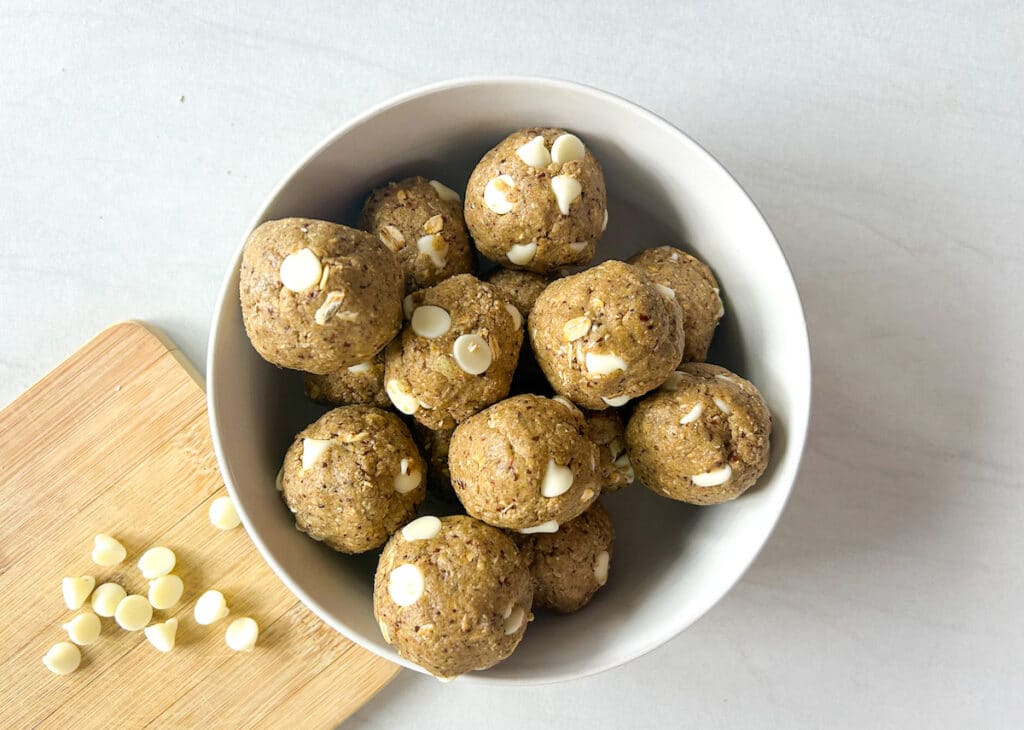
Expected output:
(456, 593)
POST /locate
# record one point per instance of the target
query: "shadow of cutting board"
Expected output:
(116, 440)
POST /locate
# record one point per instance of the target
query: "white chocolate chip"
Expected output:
(407, 478)
(162, 635)
(514, 620)
(576, 328)
(384, 632)
(566, 189)
(472, 353)
(422, 528)
(360, 367)
(63, 658)
(694, 413)
(722, 406)
(222, 510)
(721, 311)
(405, 584)
(76, 590)
(557, 480)
(332, 303)
(300, 271)
(672, 384)
(242, 634)
(499, 194)
(312, 450)
(403, 401)
(604, 225)
(165, 591)
(210, 608)
(391, 236)
(444, 192)
(156, 561)
(106, 597)
(566, 402)
(408, 305)
(623, 463)
(521, 254)
(579, 246)
(616, 447)
(603, 363)
(713, 478)
(617, 401)
(435, 248)
(549, 526)
(107, 551)
(430, 321)
(515, 314)
(665, 291)
(567, 148)
(534, 153)
(434, 224)
(83, 629)
(133, 613)
(601, 561)
(279, 479)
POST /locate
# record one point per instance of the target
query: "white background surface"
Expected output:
(884, 144)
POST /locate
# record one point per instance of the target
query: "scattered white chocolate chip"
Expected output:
(402, 400)
(472, 353)
(408, 305)
(242, 634)
(444, 192)
(665, 291)
(587, 495)
(566, 189)
(566, 402)
(133, 613)
(165, 591)
(549, 526)
(76, 590)
(63, 658)
(162, 635)
(567, 148)
(279, 479)
(107, 551)
(692, 415)
(106, 597)
(515, 314)
(623, 462)
(210, 608)
(616, 401)
(534, 153)
(603, 363)
(435, 248)
(601, 561)
(576, 328)
(430, 321)
(312, 450)
(521, 253)
(332, 303)
(578, 246)
(672, 384)
(222, 510)
(514, 620)
(391, 236)
(434, 224)
(405, 584)
(422, 528)
(713, 478)
(156, 561)
(722, 406)
(384, 632)
(83, 629)
(604, 225)
(360, 367)
(300, 271)
(407, 478)
(498, 194)
(557, 480)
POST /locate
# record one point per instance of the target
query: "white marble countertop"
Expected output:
(885, 146)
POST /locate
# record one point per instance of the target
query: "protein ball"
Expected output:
(691, 283)
(703, 438)
(353, 477)
(454, 596)
(522, 288)
(606, 335)
(569, 566)
(537, 201)
(361, 384)
(606, 430)
(421, 221)
(524, 464)
(456, 355)
(318, 296)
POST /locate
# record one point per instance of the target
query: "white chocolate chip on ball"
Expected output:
(444, 192)
(566, 402)
(430, 321)
(76, 590)
(567, 148)
(422, 528)
(616, 447)
(106, 597)
(579, 246)
(408, 305)
(242, 634)
(222, 510)
(604, 225)
(165, 591)
(566, 189)
(133, 613)
(549, 526)
(360, 367)
(210, 608)
(402, 400)
(616, 401)
(107, 551)
(534, 153)
(312, 450)
(713, 478)
(623, 462)
(499, 194)
(576, 328)
(279, 479)
(587, 494)
(162, 635)
(598, 363)
(514, 620)
(722, 406)
(601, 561)
(434, 247)
(407, 478)
(472, 353)
(515, 314)
(521, 254)
(557, 480)
(672, 384)
(156, 561)
(332, 303)
(665, 291)
(692, 415)
(300, 271)
(391, 236)
(384, 632)
(63, 658)
(83, 629)
(405, 584)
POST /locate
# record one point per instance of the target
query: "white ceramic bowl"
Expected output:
(672, 562)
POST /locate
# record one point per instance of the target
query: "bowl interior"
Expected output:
(672, 562)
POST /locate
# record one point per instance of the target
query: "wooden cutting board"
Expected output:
(116, 440)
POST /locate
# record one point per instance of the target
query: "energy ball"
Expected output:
(421, 221)
(703, 438)
(537, 201)
(606, 430)
(318, 296)
(525, 464)
(361, 384)
(353, 477)
(606, 335)
(435, 445)
(456, 355)
(694, 287)
(569, 566)
(452, 595)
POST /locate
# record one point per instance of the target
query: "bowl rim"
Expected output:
(798, 424)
